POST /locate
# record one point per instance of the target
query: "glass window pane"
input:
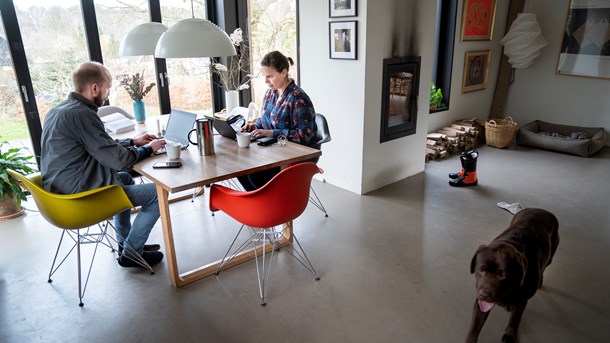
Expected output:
(13, 127)
(273, 27)
(114, 19)
(189, 78)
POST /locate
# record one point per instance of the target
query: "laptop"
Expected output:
(225, 129)
(179, 124)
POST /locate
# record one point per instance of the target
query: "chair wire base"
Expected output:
(90, 237)
(261, 238)
(313, 198)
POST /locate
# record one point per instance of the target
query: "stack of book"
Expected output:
(117, 123)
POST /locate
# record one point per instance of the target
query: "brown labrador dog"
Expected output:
(509, 270)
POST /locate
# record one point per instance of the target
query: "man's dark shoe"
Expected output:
(147, 247)
(151, 257)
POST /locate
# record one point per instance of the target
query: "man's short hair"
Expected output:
(88, 73)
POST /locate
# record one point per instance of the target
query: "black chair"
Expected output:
(323, 136)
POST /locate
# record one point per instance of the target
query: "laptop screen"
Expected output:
(178, 126)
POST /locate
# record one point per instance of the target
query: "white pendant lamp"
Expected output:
(524, 40)
(194, 37)
(142, 39)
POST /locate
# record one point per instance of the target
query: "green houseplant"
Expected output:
(11, 193)
(436, 98)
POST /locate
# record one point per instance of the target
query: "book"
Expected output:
(117, 123)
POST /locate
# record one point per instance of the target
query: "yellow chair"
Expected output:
(73, 212)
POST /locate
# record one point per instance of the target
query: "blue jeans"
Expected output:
(144, 195)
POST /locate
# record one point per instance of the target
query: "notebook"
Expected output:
(179, 124)
(225, 129)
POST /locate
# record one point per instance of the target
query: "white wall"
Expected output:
(539, 93)
(349, 92)
(336, 88)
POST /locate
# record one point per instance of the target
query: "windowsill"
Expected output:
(439, 109)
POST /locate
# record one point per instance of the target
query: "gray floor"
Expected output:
(394, 267)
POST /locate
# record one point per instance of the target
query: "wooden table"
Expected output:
(198, 171)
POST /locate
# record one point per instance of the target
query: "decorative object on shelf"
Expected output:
(342, 8)
(11, 194)
(436, 98)
(478, 19)
(476, 68)
(343, 40)
(586, 43)
(524, 40)
(136, 87)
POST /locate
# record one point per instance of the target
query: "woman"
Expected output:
(286, 111)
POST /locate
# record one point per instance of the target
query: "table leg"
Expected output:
(179, 280)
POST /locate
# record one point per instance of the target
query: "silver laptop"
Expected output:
(179, 124)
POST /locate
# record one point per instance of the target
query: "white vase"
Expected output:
(231, 100)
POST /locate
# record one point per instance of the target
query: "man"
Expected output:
(78, 155)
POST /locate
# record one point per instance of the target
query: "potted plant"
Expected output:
(11, 193)
(136, 87)
(436, 98)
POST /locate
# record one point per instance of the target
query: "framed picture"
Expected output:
(476, 68)
(342, 8)
(585, 49)
(399, 96)
(343, 40)
(478, 19)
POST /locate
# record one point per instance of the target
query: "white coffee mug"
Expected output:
(173, 150)
(243, 139)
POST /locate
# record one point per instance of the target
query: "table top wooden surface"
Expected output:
(228, 161)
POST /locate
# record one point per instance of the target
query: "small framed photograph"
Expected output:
(476, 68)
(342, 8)
(343, 40)
(478, 19)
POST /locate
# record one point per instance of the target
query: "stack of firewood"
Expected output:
(462, 135)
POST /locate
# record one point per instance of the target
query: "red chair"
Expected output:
(280, 201)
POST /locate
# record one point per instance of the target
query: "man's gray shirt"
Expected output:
(77, 152)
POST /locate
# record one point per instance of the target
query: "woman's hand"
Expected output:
(262, 133)
(249, 127)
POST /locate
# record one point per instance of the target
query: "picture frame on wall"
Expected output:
(476, 70)
(342, 8)
(478, 19)
(585, 48)
(343, 40)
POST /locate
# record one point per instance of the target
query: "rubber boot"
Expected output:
(461, 173)
(469, 178)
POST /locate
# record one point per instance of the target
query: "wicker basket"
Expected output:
(499, 134)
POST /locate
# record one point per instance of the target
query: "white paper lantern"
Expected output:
(524, 40)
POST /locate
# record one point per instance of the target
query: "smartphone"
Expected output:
(167, 164)
(266, 141)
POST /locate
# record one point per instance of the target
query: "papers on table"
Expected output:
(117, 123)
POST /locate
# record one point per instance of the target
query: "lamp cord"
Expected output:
(192, 10)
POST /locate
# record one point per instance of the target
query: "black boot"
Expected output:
(469, 161)
(461, 173)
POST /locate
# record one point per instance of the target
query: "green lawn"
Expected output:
(13, 129)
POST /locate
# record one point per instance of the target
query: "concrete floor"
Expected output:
(394, 266)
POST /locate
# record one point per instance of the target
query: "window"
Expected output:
(445, 33)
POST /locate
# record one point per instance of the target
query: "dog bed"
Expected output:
(576, 140)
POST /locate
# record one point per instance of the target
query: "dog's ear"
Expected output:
(473, 262)
(521, 263)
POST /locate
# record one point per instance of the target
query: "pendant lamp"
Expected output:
(524, 40)
(142, 39)
(194, 37)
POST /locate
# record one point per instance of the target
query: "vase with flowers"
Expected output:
(234, 76)
(136, 87)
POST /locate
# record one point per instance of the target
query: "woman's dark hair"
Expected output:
(277, 61)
